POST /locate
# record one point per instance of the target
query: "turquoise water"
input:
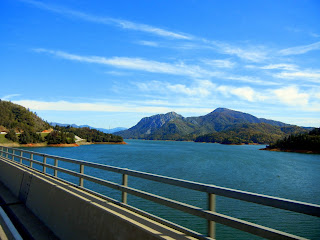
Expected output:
(287, 175)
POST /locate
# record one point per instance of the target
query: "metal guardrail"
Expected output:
(209, 214)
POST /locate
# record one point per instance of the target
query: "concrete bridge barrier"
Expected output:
(75, 214)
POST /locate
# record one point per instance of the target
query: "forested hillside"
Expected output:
(24, 127)
(90, 135)
(21, 124)
(19, 119)
(260, 133)
(307, 141)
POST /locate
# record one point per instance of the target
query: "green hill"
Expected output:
(24, 126)
(17, 118)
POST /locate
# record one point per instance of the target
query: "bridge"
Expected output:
(61, 209)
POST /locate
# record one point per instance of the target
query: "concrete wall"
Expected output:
(74, 214)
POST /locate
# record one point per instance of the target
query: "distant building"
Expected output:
(47, 131)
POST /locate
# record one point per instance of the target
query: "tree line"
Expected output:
(90, 135)
(307, 141)
(248, 133)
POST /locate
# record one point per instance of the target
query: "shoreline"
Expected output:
(110, 143)
(77, 144)
(290, 150)
(236, 144)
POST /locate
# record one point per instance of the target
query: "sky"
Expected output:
(110, 63)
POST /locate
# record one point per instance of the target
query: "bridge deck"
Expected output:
(27, 224)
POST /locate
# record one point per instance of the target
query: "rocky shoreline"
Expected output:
(290, 150)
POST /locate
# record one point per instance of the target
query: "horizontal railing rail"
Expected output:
(210, 215)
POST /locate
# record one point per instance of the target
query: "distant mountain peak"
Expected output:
(220, 109)
(148, 125)
(174, 114)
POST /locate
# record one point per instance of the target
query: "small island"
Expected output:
(19, 127)
(300, 143)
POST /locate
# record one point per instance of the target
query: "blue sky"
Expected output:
(110, 63)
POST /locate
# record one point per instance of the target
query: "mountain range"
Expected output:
(112, 130)
(223, 123)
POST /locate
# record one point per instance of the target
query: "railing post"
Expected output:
(1, 151)
(56, 165)
(7, 153)
(21, 155)
(13, 152)
(31, 158)
(81, 172)
(44, 162)
(212, 207)
(125, 184)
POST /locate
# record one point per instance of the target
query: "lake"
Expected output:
(287, 175)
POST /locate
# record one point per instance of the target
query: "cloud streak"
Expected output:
(109, 21)
(139, 64)
(8, 97)
(300, 49)
(281, 66)
(135, 64)
(254, 54)
(309, 76)
(103, 107)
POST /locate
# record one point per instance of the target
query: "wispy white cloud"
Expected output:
(281, 66)
(292, 96)
(109, 21)
(300, 49)
(150, 29)
(219, 63)
(136, 64)
(176, 68)
(254, 54)
(8, 97)
(314, 34)
(148, 43)
(310, 76)
(35, 105)
(244, 93)
(128, 63)
(200, 89)
(317, 95)
(117, 73)
(290, 72)
(249, 79)
(303, 31)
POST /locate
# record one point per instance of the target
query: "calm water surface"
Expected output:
(287, 175)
